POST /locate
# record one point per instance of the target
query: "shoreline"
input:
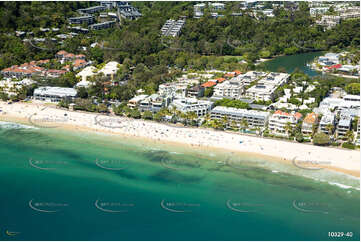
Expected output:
(205, 140)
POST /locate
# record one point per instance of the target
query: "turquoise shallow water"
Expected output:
(62, 185)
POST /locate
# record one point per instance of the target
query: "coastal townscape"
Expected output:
(180, 121)
(249, 100)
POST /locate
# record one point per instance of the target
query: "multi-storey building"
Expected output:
(172, 28)
(250, 77)
(198, 10)
(216, 6)
(329, 21)
(93, 9)
(54, 94)
(231, 89)
(266, 87)
(318, 11)
(344, 125)
(196, 91)
(135, 101)
(279, 121)
(103, 25)
(327, 123)
(185, 105)
(254, 118)
(87, 19)
(153, 103)
(128, 12)
(309, 122)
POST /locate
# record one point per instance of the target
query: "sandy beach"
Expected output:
(302, 155)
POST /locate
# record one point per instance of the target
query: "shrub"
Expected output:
(348, 146)
(147, 115)
(321, 139)
(299, 137)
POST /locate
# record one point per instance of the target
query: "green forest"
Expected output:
(289, 32)
(205, 43)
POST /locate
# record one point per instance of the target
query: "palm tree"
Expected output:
(350, 136)
(288, 128)
(224, 121)
(192, 116)
(244, 124)
(174, 110)
(329, 128)
(314, 129)
(233, 125)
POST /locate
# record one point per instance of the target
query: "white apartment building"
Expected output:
(173, 89)
(318, 11)
(265, 88)
(249, 77)
(172, 27)
(185, 105)
(279, 120)
(344, 125)
(11, 87)
(216, 6)
(327, 120)
(254, 118)
(198, 10)
(153, 103)
(134, 102)
(54, 94)
(329, 21)
(231, 89)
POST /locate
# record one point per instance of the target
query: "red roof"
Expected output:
(229, 75)
(238, 72)
(221, 80)
(335, 66)
(282, 113)
(79, 62)
(296, 115)
(57, 71)
(69, 55)
(208, 84)
(62, 52)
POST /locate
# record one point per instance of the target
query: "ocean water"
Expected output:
(62, 185)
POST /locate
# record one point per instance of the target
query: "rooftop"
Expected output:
(55, 91)
(311, 118)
